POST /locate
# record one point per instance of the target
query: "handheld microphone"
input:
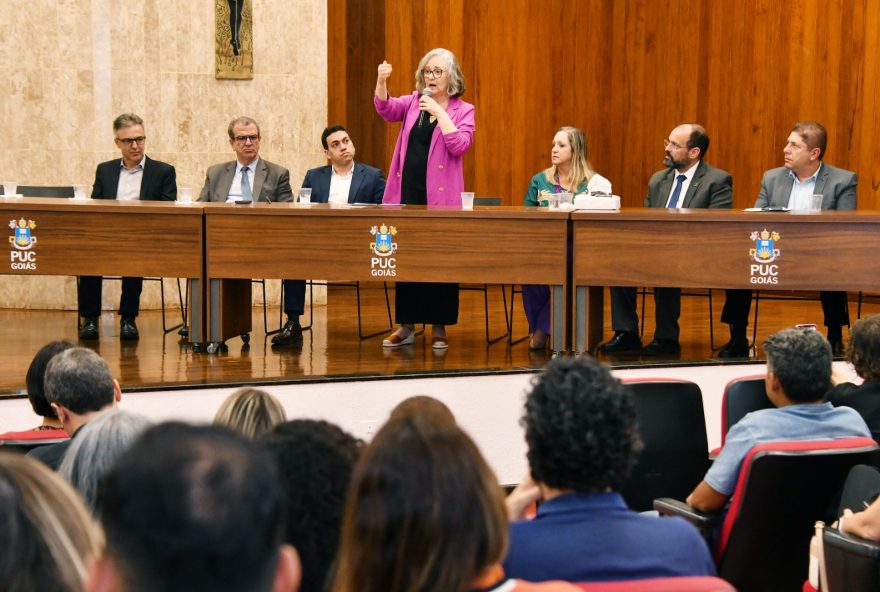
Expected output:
(424, 115)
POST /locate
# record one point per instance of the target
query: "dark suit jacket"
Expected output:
(837, 185)
(367, 184)
(159, 182)
(271, 182)
(710, 188)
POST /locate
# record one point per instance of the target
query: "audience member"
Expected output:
(863, 352)
(96, 448)
(78, 386)
(860, 491)
(315, 460)
(194, 508)
(46, 534)
(343, 180)
(582, 442)
(51, 428)
(422, 404)
(798, 376)
(250, 412)
(424, 512)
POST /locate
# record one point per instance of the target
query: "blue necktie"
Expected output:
(673, 201)
(246, 192)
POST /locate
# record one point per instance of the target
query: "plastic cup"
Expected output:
(467, 200)
(816, 202)
(184, 194)
(305, 195)
(9, 188)
(79, 191)
(564, 198)
(553, 201)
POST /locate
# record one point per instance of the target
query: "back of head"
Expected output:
(97, 446)
(46, 533)
(80, 380)
(698, 138)
(864, 347)
(423, 405)
(194, 508)
(801, 360)
(580, 427)
(250, 412)
(424, 512)
(315, 460)
(36, 375)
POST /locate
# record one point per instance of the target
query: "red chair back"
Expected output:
(677, 584)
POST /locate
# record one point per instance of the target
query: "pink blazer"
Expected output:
(445, 176)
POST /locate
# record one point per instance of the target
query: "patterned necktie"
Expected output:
(673, 201)
(246, 192)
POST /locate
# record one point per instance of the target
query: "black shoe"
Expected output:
(290, 333)
(737, 347)
(662, 347)
(89, 329)
(623, 341)
(837, 349)
(128, 331)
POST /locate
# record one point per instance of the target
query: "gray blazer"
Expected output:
(271, 182)
(837, 185)
(710, 188)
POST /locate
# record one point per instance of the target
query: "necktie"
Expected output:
(673, 201)
(246, 193)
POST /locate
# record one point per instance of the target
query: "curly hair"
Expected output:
(315, 460)
(580, 427)
(863, 350)
(801, 360)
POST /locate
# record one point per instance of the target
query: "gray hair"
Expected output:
(801, 360)
(126, 120)
(453, 70)
(97, 446)
(241, 121)
(80, 380)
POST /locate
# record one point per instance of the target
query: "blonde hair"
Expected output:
(453, 71)
(250, 412)
(580, 172)
(49, 530)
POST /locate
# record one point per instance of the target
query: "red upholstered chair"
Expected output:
(672, 427)
(679, 584)
(741, 396)
(782, 489)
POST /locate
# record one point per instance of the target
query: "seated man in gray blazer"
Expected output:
(687, 182)
(343, 180)
(250, 178)
(803, 175)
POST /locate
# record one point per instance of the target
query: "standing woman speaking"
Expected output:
(426, 169)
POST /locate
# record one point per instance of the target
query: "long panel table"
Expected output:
(52, 236)
(699, 248)
(493, 245)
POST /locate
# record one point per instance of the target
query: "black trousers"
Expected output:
(89, 296)
(294, 297)
(738, 303)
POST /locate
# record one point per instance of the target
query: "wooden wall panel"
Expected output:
(627, 71)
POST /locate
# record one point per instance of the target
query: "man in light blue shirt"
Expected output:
(798, 376)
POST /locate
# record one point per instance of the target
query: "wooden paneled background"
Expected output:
(625, 71)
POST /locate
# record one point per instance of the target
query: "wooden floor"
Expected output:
(332, 348)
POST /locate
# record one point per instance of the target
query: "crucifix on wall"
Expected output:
(234, 39)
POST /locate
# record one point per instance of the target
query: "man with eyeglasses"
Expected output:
(686, 182)
(250, 178)
(134, 176)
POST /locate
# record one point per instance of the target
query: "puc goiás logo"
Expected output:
(21, 256)
(383, 247)
(763, 270)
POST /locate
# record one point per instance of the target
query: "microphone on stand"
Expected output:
(424, 115)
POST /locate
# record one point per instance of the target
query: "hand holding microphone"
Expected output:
(425, 104)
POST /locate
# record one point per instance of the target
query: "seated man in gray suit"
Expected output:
(250, 178)
(803, 175)
(687, 182)
(343, 180)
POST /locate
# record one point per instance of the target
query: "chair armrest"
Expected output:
(706, 523)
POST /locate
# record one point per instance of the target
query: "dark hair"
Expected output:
(580, 427)
(814, 135)
(424, 511)
(330, 130)
(80, 380)
(421, 405)
(36, 375)
(315, 460)
(195, 508)
(801, 360)
(863, 350)
(698, 138)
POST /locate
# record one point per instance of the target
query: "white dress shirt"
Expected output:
(801, 191)
(340, 185)
(688, 177)
(235, 193)
(129, 187)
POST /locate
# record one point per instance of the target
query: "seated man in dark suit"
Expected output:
(251, 178)
(134, 176)
(803, 175)
(343, 180)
